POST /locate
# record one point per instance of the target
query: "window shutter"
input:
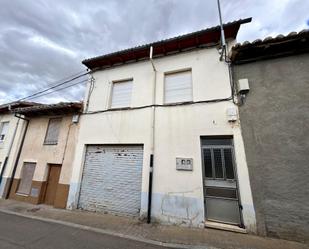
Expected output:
(4, 129)
(53, 131)
(26, 178)
(121, 95)
(178, 87)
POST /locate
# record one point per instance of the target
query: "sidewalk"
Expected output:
(171, 236)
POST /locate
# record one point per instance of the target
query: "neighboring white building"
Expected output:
(11, 130)
(178, 109)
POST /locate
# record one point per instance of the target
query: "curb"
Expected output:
(108, 232)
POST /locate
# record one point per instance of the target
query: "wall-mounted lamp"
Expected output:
(243, 88)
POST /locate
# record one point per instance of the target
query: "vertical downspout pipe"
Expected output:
(9, 152)
(18, 156)
(151, 163)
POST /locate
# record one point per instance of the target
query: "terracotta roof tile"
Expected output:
(270, 47)
(50, 109)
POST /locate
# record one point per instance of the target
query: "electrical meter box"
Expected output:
(231, 113)
(184, 164)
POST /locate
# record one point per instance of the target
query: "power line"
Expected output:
(80, 82)
(53, 87)
(70, 76)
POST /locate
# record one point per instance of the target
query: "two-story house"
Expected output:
(160, 137)
(43, 167)
(11, 132)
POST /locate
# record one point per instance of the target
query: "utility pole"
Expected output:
(223, 44)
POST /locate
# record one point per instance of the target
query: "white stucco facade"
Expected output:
(178, 196)
(9, 147)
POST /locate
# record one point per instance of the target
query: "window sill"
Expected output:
(50, 144)
(226, 227)
(26, 195)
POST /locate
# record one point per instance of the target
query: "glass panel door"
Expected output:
(220, 186)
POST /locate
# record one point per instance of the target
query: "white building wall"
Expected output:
(177, 195)
(9, 147)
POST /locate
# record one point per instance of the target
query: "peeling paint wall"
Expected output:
(178, 209)
(177, 195)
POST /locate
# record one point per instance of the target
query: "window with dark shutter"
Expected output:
(3, 130)
(26, 178)
(53, 130)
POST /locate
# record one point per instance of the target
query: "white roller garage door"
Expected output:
(112, 179)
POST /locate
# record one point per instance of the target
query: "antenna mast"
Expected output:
(223, 44)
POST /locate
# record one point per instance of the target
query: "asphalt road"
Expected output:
(18, 232)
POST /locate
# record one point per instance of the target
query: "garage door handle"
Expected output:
(109, 188)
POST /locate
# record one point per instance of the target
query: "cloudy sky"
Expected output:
(44, 41)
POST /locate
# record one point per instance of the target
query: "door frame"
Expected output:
(232, 146)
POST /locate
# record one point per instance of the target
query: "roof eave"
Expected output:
(50, 110)
(202, 38)
(7, 108)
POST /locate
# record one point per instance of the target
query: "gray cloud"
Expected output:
(44, 41)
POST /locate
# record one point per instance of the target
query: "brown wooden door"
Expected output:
(52, 184)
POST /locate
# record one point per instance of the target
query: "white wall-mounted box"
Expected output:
(243, 86)
(231, 113)
(75, 118)
(184, 164)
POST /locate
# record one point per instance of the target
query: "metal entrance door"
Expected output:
(220, 184)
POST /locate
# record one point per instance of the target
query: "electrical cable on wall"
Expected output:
(157, 105)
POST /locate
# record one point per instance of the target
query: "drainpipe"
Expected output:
(66, 143)
(18, 156)
(9, 150)
(152, 149)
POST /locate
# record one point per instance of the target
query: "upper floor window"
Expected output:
(121, 94)
(3, 130)
(53, 130)
(178, 87)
